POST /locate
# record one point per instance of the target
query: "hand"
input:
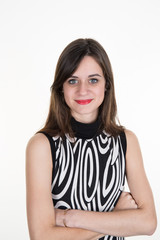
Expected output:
(126, 201)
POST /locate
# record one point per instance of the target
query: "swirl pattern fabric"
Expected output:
(88, 174)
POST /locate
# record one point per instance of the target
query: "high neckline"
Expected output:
(85, 130)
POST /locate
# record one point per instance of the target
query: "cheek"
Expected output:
(65, 92)
(67, 96)
(101, 92)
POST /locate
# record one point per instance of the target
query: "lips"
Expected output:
(84, 102)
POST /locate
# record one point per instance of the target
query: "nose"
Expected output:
(83, 88)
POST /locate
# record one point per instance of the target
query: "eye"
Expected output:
(72, 81)
(93, 80)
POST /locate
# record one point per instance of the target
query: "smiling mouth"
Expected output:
(84, 102)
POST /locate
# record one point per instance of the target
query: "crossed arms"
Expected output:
(134, 214)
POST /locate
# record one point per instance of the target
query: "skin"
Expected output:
(134, 213)
(87, 82)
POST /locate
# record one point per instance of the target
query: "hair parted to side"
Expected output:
(59, 116)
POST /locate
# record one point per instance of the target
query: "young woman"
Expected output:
(76, 165)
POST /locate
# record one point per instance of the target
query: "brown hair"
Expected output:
(59, 116)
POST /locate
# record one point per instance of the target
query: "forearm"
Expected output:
(59, 233)
(119, 223)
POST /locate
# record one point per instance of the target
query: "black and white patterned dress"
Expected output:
(88, 173)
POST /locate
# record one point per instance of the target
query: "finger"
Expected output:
(134, 204)
(124, 193)
(129, 196)
(133, 198)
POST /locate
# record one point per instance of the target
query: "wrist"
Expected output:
(71, 218)
(65, 218)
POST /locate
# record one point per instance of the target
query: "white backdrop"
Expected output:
(32, 35)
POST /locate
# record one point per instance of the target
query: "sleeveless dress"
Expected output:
(89, 170)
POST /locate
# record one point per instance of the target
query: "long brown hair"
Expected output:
(59, 116)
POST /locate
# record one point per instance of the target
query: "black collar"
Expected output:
(85, 130)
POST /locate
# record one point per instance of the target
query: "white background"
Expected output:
(32, 35)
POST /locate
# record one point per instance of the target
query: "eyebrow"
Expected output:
(92, 75)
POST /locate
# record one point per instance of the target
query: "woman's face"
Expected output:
(84, 90)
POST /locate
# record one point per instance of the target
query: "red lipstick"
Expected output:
(84, 102)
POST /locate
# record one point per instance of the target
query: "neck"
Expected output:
(85, 130)
(85, 118)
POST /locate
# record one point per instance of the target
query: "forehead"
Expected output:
(88, 65)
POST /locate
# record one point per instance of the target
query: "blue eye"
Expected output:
(93, 80)
(72, 81)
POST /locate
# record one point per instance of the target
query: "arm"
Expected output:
(40, 209)
(125, 201)
(129, 222)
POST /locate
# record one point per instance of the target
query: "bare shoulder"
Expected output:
(37, 142)
(133, 146)
(38, 148)
(130, 134)
(131, 137)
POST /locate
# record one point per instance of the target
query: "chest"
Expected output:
(88, 175)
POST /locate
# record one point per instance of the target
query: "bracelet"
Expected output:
(65, 212)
